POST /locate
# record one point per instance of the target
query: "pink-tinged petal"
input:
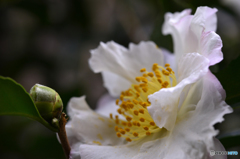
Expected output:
(177, 25)
(90, 127)
(126, 63)
(205, 19)
(189, 31)
(165, 103)
(172, 19)
(210, 47)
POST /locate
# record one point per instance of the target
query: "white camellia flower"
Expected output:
(158, 113)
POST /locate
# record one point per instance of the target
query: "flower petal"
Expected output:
(107, 105)
(193, 134)
(107, 152)
(191, 65)
(177, 25)
(164, 103)
(127, 151)
(90, 127)
(114, 58)
(114, 83)
(217, 146)
(73, 141)
(187, 31)
(205, 19)
(210, 47)
(169, 58)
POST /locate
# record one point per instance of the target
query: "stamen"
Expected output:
(159, 80)
(133, 103)
(121, 97)
(124, 123)
(135, 112)
(145, 75)
(167, 65)
(150, 74)
(128, 139)
(128, 118)
(142, 119)
(169, 69)
(138, 124)
(141, 111)
(148, 133)
(152, 123)
(144, 80)
(143, 70)
(122, 131)
(127, 129)
(117, 101)
(138, 79)
(118, 134)
(145, 128)
(135, 134)
(116, 128)
(119, 111)
(165, 72)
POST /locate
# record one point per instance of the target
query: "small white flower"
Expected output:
(161, 114)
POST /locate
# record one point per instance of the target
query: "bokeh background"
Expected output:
(48, 42)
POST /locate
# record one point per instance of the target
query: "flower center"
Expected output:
(133, 103)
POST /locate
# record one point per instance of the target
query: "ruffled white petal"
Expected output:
(90, 127)
(193, 134)
(177, 25)
(210, 47)
(114, 58)
(205, 19)
(189, 32)
(164, 103)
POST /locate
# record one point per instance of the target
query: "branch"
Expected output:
(63, 136)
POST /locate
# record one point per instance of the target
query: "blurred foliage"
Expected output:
(229, 79)
(231, 139)
(22, 138)
(48, 42)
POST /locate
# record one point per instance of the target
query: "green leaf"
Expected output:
(230, 139)
(14, 100)
(230, 80)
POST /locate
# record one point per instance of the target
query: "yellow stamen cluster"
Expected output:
(133, 103)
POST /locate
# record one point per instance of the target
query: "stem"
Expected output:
(63, 136)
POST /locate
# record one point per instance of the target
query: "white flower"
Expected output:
(161, 114)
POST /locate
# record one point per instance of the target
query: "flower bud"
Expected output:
(48, 102)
